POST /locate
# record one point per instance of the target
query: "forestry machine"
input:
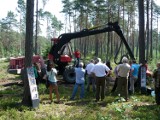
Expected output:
(61, 52)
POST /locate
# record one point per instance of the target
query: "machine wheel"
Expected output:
(69, 75)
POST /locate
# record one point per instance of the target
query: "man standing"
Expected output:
(133, 75)
(90, 77)
(80, 72)
(156, 76)
(99, 71)
(116, 79)
(123, 72)
(77, 55)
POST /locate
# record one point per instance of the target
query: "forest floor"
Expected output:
(139, 107)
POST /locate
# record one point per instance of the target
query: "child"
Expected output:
(156, 76)
(51, 73)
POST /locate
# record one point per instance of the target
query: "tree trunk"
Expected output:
(147, 29)
(96, 45)
(28, 50)
(87, 38)
(108, 40)
(151, 53)
(141, 31)
(36, 36)
(157, 39)
(97, 36)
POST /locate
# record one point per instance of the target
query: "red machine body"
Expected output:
(61, 52)
(17, 63)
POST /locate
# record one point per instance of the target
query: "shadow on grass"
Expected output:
(147, 112)
(12, 105)
(17, 77)
(13, 83)
(86, 102)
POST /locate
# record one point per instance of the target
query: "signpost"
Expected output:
(33, 87)
(143, 79)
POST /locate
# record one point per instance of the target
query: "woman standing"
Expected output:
(38, 73)
(108, 75)
(51, 74)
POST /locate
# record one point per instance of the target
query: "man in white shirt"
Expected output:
(123, 72)
(90, 77)
(99, 71)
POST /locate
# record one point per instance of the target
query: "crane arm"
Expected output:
(67, 37)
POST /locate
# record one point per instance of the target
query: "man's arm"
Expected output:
(108, 71)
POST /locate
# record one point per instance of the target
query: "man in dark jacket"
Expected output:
(156, 76)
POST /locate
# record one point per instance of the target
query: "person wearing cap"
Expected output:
(80, 73)
(108, 77)
(123, 72)
(99, 71)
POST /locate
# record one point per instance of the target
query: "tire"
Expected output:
(12, 71)
(69, 75)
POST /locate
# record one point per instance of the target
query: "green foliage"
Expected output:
(46, 50)
(45, 46)
(101, 117)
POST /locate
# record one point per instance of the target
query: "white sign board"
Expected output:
(32, 83)
(143, 76)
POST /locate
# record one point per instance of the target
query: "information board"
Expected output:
(143, 79)
(33, 87)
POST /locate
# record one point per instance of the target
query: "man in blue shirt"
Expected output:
(133, 75)
(80, 72)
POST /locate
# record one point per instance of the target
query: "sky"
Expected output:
(53, 6)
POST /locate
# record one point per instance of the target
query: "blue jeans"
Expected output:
(75, 90)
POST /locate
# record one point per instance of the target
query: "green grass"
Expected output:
(139, 107)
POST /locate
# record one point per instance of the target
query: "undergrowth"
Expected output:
(139, 107)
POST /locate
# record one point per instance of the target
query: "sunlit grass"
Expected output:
(109, 109)
(139, 107)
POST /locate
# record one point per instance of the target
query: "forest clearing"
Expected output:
(139, 107)
(122, 32)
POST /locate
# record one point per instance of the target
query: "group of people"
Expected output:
(128, 76)
(98, 74)
(47, 73)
